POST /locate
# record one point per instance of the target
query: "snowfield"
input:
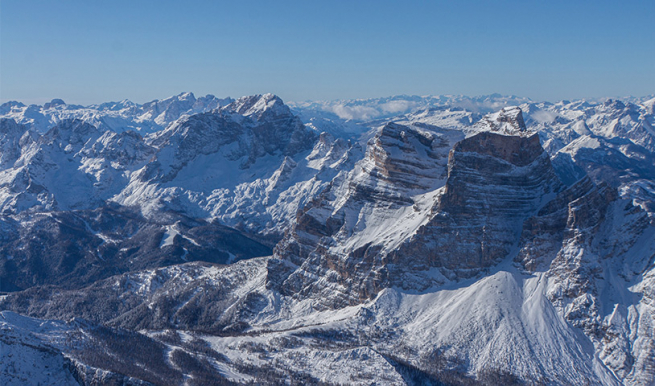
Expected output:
(404, 241)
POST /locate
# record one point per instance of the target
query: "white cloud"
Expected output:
(398, 106)
(354, 112)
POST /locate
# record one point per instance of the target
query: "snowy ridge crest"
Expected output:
(430, 240)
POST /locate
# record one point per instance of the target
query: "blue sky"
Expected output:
(93, 51)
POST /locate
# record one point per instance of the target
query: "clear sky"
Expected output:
(87, 51)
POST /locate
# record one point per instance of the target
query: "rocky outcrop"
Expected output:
(13, 139)
(592, 245)
(251, 127)
(435, 250)
(507, 121)
(493, 184)
(542, 234)
(400, 163)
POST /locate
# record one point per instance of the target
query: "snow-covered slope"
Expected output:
(27, 358)
(46, 352)
(115, 116)
(250, 163)
(611, 141)
(72, 166)
(418, 240)
(503, 323)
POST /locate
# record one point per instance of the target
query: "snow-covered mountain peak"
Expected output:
(182, 97)
(6, 107)
(259, 105)
(430, 240)
(117, 116)
(115, 106)
(54, 103)
(186, 96)
(71, 132)
(650, 106)
(508, 121)
(614, 104)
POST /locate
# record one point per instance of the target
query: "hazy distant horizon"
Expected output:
(41, 102)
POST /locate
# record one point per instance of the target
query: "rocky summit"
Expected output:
(444, 241)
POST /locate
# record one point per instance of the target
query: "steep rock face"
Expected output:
(542, 234)
(401, 166)
(441, 250)
(599, 278)
(611, 141)
(399, 162)
(597, 251)
(415, 223)
(13, 139)
(399, 158)
(494, 182)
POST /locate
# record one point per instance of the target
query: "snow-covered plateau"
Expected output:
(435, 240)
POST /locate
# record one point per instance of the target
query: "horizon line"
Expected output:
(42, 101)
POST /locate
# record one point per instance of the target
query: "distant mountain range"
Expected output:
(402, 240)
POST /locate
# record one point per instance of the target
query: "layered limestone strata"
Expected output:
(493, 184)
